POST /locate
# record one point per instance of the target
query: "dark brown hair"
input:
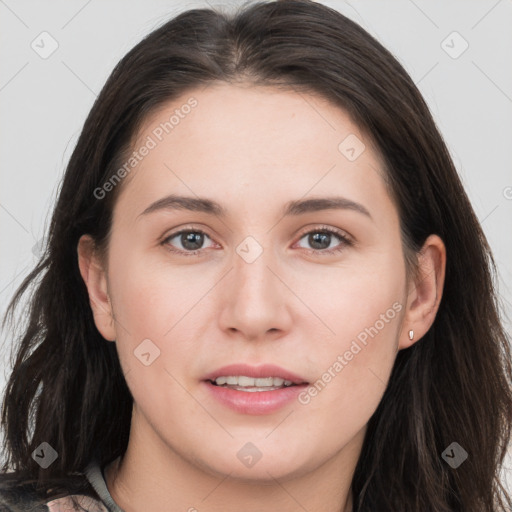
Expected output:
(67, 387)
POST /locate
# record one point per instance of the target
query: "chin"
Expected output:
(263, 472)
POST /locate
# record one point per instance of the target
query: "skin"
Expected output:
(253, 149)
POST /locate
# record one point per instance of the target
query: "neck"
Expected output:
(153, 476)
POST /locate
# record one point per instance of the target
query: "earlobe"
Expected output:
(94, 276)
(425, 292)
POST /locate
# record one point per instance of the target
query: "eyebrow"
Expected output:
(296, 207)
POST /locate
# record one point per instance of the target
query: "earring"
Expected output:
(411, 334)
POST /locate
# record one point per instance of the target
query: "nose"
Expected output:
(254, 300)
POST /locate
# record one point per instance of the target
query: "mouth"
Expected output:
(254, 390)
(250, 384)
(242, 377)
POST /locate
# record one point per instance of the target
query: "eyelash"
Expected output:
(345, 241)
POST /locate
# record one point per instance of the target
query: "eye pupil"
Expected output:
(194, 238)
(318, 238)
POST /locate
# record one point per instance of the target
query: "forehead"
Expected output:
(236, 140)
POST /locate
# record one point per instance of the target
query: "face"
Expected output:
(315, 290)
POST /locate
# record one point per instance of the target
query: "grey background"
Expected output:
(44, 102)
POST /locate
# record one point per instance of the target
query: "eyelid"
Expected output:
(187, 228)
(324, 227)
(345, 238)
(302, 232)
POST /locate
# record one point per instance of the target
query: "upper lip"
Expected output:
(264, 370)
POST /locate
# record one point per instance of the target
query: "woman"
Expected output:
(265, 288)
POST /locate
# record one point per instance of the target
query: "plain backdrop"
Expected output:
(56, 55)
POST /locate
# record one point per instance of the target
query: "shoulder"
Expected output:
(73, 493)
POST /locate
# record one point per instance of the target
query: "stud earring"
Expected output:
(411, 334)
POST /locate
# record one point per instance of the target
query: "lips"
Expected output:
(254, 400)
(262, 371)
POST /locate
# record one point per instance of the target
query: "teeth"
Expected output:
(244, 381)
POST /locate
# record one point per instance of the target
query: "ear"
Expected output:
(95, 279)
(425, 291)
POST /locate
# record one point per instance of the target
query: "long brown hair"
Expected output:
(67, 387)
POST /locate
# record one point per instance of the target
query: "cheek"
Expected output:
(363, 308)
(160, 311)
(153, 307)
(352, 298)
(151, 296)
(353, 373)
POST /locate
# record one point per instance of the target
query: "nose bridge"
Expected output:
(251, 271)
(254, 298)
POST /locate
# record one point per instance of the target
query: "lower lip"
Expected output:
(255, 402)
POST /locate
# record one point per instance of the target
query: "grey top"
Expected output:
(94, 474)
